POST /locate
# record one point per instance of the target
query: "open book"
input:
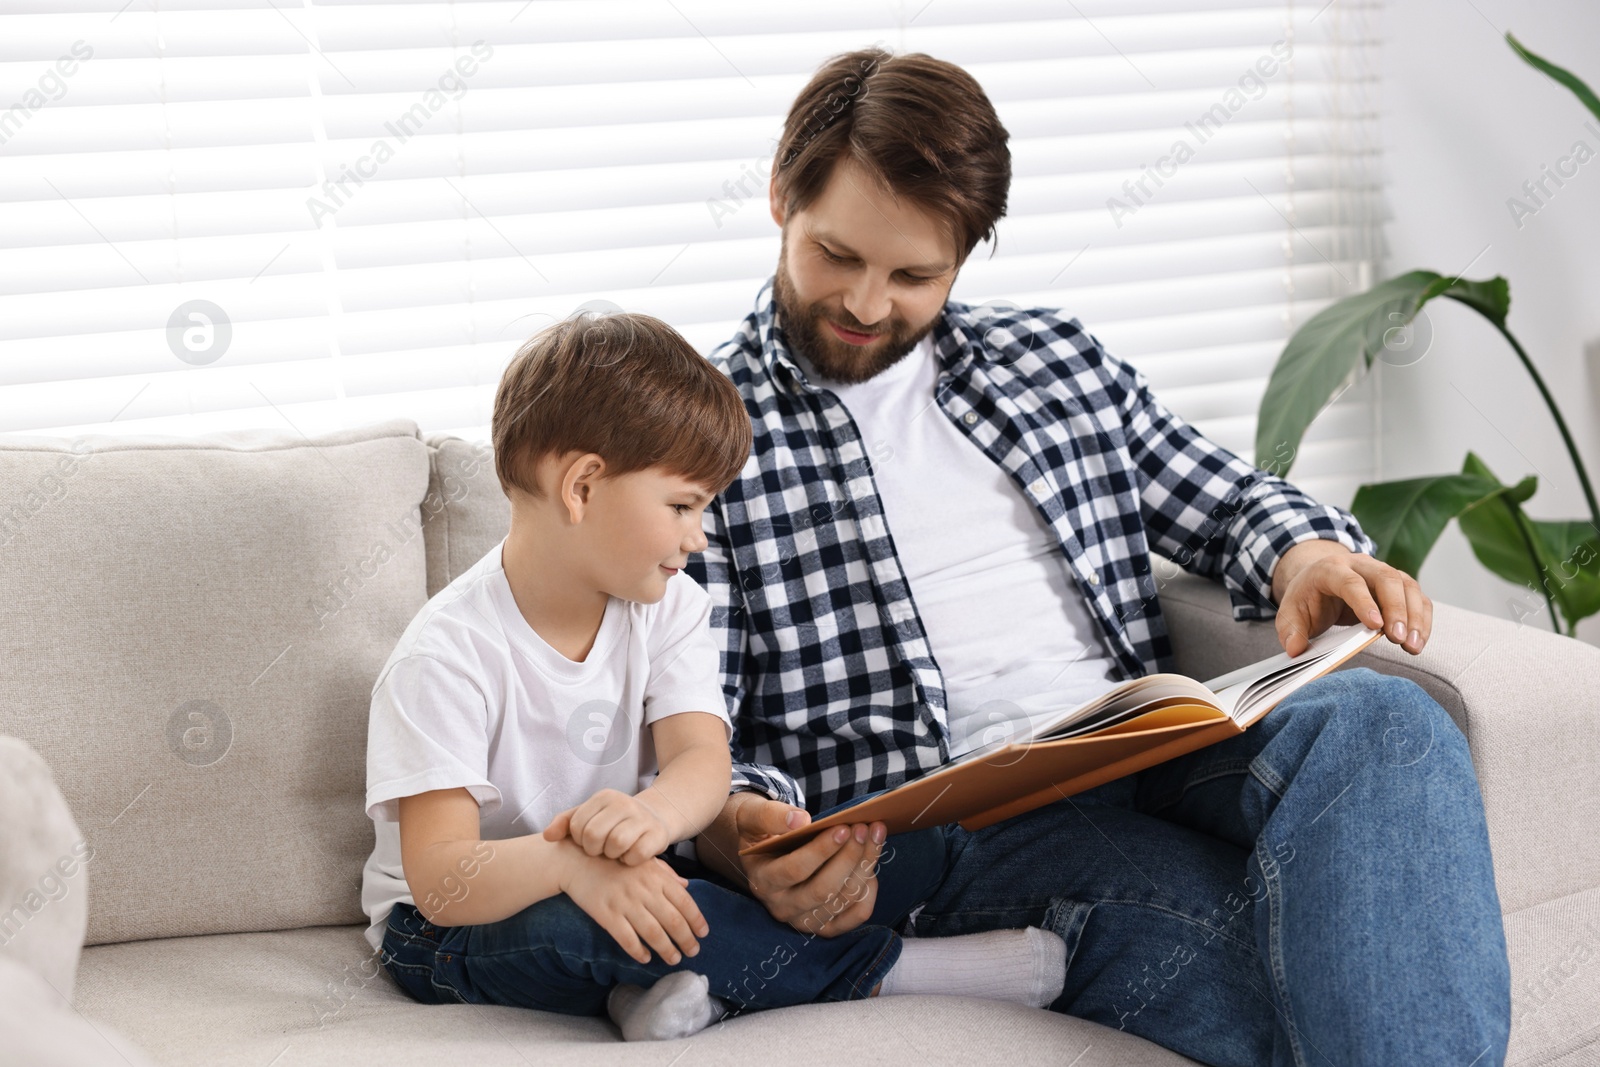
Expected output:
(1139, 723)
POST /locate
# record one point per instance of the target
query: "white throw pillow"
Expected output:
(44, 889)
(44, 910)
(42, 1031)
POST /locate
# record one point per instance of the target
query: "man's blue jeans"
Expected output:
(1317, 891)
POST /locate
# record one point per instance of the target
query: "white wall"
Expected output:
(1465, 123)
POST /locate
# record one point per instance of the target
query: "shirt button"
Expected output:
(1094, 579)
(970, 417)
(1037, 488)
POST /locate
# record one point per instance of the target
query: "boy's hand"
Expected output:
(644, 905)
(615, 825)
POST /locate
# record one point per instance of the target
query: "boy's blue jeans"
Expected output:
(553, 956)
(1316, 891)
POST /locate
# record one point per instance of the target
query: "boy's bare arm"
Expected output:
(458, 879)
(696, 770)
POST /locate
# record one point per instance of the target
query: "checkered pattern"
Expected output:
(831, 684)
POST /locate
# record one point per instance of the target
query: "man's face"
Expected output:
(861, 275)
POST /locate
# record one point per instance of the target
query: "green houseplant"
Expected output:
(1559, 559)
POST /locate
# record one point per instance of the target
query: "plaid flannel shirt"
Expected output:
(831, 684)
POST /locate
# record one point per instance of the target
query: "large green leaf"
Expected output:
(1491, 298)
(1405, 518)
(1496, 532)
(1565, 77)
(1340, 342)
(1570, 551)
(1558, 558)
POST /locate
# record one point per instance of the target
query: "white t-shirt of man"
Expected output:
(1009, 629)
(473, 697)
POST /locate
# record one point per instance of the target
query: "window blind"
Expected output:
(228, 213)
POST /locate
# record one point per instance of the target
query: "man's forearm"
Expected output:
(717, 846)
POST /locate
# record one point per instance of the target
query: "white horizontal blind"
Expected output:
(376, 203)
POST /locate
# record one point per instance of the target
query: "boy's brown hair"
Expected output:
(625, 386)
(922, 125)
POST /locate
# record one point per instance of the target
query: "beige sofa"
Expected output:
(190, 634)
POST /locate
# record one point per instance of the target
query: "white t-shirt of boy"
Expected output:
(473, 697)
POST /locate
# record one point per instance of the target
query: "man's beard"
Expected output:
(833, 357)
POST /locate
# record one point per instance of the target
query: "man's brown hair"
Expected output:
(625, 386)
(923, 126)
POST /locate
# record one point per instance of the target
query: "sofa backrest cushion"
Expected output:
(466, 512)
(191, 634)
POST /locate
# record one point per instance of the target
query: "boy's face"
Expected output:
(644, 526)
(861, 276)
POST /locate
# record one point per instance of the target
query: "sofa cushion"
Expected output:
(317, 998)
(192, 634)
(466, 512)
(246, 998)
(1554, 949)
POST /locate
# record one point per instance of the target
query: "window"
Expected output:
(227, 213)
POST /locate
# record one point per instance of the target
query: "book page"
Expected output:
(1247, 693)
(1128, 699)
(1243, 695)
(1164, 690)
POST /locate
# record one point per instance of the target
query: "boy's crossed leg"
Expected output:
(553, 956)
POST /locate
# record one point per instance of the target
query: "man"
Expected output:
(946, 522)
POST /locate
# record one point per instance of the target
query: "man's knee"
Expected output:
(1407, 722)
(1395, 715)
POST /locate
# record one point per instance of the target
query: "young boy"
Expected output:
(520, 815)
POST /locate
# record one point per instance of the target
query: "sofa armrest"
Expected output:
(1527, 700)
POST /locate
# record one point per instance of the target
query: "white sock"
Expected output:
(679, 1004)
(1028, 966)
